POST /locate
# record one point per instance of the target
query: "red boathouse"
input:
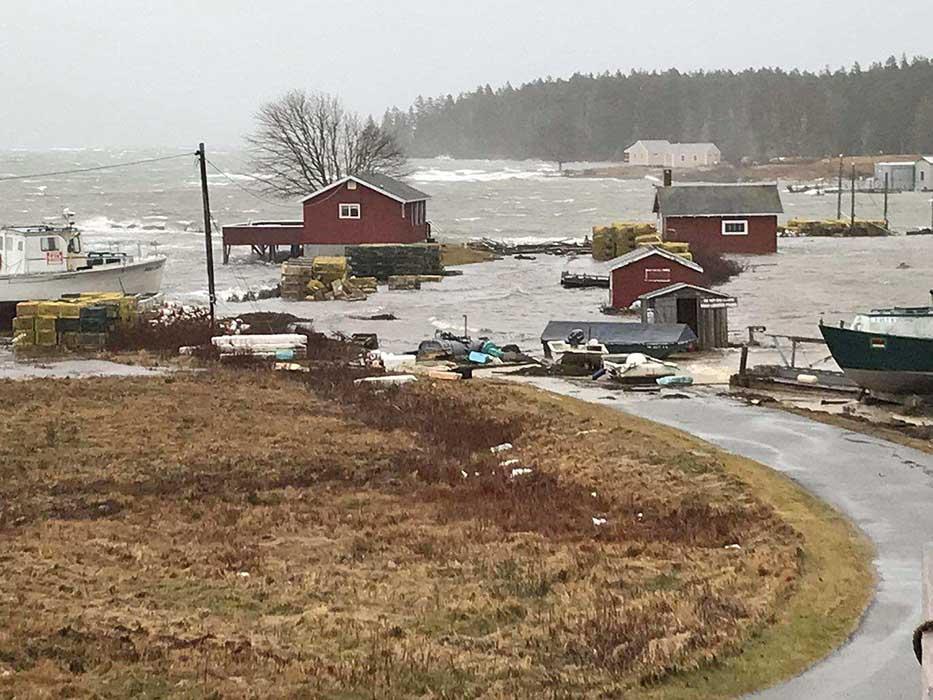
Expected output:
(353, 210)
(647, 269)
(720, 218)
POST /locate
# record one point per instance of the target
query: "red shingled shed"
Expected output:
(353, 210)
(644, 270)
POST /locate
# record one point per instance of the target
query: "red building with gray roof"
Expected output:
(720, 218)
(354, 210)
(647, 269)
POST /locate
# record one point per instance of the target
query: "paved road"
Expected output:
(74, 369)
(886, 489)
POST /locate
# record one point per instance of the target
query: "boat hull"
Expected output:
(137, 277)
(882, 363)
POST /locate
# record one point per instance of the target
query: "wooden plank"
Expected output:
(798, 338)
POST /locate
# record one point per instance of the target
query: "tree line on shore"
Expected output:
(754, 114)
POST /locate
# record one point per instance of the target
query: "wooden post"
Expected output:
(743, 361)
(839, 192)
(852, 217)
(208, 245)
(926, 636)
(886, 200)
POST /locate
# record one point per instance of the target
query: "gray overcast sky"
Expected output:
(173, 72)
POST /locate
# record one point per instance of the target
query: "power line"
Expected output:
(246, 189)
(97, 167)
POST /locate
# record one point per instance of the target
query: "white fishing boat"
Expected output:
(46, 262)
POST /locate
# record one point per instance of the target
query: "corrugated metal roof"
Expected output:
(717, 200)
(614, 333)
(634, 256)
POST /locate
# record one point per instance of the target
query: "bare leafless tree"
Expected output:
(305, 141)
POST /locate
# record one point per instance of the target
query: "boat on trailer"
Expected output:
(48, 262)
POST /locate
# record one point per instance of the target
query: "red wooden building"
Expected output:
(353, 210)
(644, 270)
(720, 218)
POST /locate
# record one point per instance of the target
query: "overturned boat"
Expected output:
(887, 351)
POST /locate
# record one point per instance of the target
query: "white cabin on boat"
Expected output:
(32, 250)
(29, 250)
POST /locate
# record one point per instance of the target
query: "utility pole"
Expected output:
(839, 192)
(852, 217)
(886, 200)
(209, 248)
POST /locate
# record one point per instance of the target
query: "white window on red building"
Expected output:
(658, 274)
(736, 227)
(349, 211)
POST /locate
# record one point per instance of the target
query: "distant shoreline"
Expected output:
(799, 169)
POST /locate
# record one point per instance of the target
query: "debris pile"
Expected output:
(322, 278)
(281, 346)
(504, 248)
(446, 346)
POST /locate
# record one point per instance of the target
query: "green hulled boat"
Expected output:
(887, 351)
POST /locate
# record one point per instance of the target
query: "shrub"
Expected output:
(717, 268)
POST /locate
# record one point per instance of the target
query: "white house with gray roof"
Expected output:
(663, 153)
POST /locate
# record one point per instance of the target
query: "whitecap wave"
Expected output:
(474, 175)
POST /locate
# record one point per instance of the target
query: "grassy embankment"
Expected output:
(453, 254)
(237, 533)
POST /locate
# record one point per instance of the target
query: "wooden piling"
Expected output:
(924, 633)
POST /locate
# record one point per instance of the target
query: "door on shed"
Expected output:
(687, 313)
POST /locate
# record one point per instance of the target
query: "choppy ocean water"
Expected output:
(158, 207)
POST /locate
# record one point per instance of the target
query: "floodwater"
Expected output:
(158, 207)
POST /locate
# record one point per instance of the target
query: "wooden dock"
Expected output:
(573, 280)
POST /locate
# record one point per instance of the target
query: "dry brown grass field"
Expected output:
(237, 533)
